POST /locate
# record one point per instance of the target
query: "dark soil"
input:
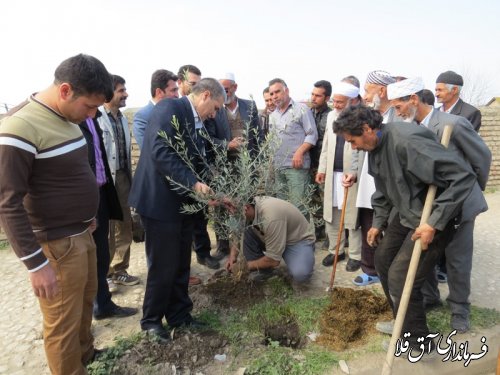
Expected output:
(224, 291)
(190, 351)
(350, 316)
(285, 332)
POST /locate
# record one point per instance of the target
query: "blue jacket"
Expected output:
(141, 120)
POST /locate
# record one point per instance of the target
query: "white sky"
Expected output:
(299, 41)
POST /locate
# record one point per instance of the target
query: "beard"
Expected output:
(411, 116)
(230, 99)
(375, 103)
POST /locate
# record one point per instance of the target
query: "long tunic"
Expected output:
(405, 162)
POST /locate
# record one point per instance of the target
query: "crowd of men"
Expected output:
(67, 191)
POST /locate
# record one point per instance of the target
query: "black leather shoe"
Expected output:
(159, 333)
(328, 260)
(209, 261)
(98, 353)
(352, 265)
(191, 324)
(116, 312)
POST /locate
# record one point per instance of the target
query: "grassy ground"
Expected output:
(4, 244)
(243, 331)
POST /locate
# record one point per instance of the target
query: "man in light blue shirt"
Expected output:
(295, 129)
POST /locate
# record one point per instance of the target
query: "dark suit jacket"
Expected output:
(466, 142)
(249, 115)
(152, 194)
(468, 111)
(114, 207)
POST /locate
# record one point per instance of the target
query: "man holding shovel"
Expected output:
(404, 160)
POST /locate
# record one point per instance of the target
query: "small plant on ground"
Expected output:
(4, 244)
(104, 364)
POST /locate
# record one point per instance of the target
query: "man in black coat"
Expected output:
(448, 87)
(109, 208)
(164, 180)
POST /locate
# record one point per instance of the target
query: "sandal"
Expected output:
(364, 280)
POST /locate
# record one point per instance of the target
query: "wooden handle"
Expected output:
(339, 238)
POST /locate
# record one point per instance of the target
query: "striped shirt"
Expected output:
(47, 188)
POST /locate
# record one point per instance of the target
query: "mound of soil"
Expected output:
(350, 315)
(187, 353)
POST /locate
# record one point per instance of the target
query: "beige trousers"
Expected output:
(67, 318)
(332, 230)
(120, 232)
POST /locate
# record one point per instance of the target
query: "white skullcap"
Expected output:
(229, 76)
(345, 89)
(404, 88)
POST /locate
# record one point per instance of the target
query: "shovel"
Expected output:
(339, 240)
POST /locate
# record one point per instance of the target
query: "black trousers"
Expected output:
(459, 266)
(392, 259)
(168, 251)
(367, 252)
(102, 302)
(201, 239)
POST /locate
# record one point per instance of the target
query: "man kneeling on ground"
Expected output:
(276, 229)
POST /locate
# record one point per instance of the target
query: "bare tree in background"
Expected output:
(477, 88)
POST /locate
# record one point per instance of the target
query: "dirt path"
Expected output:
(20, 323)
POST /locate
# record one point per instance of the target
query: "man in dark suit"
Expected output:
(448, 87)
(109, 209)
(163, 85)
(164, 182)
(406, 97)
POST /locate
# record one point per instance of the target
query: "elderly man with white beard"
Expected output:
(376, 97)
(406, 97)
(335, 158)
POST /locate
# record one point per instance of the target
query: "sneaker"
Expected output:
(385, 327)
(124, 278)
(353, 265)
(112, 286)
(328, 260)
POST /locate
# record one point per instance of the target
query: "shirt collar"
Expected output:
(195, 113)
(427, 118)
(449, 109)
